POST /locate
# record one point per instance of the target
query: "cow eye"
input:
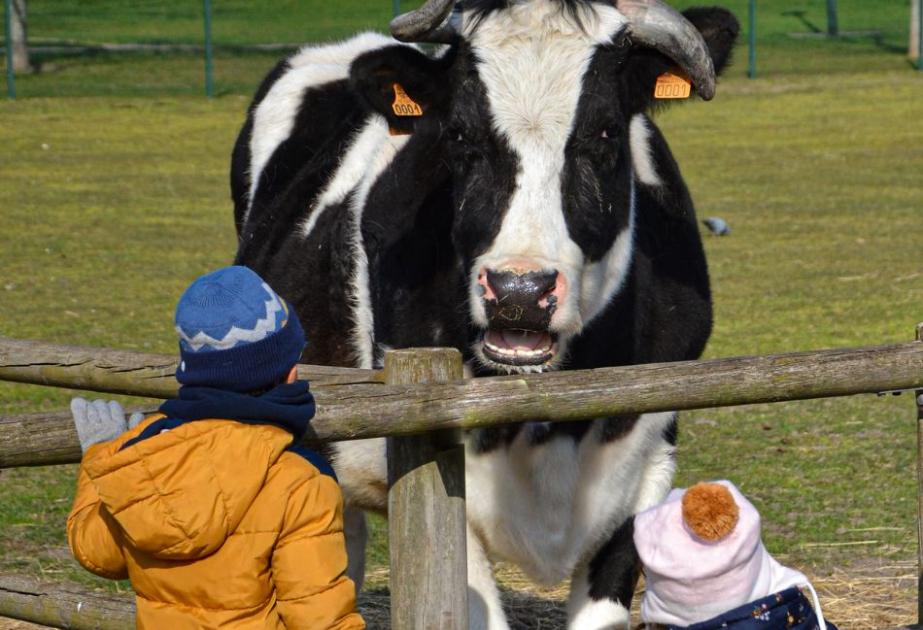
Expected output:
(455, 134)
(608, 134)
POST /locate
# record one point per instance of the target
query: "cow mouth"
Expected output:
(520, 347)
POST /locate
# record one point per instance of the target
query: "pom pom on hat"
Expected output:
(235, 332)
(709, 511)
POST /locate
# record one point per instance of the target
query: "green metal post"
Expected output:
(396, 7)
(8, 20)
(209, 79)
(751, 68)
(920, 48)
(833, 27)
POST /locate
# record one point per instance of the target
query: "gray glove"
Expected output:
(100, 421)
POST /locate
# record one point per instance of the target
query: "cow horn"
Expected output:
(430, 23)
(656, 24)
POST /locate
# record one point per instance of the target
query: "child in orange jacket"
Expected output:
(218, 519)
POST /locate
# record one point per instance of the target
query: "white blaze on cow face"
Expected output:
(532, 58)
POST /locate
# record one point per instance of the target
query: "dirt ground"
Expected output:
(872, 596)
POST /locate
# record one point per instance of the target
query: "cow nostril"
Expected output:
(528, 288)
(495, 281)
(547, 284)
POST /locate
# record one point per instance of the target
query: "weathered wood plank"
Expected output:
(348, 412)
(426, 507)
(38, 439)
(63, 607)
(919, 404)
(918, 398)
(122, 371)
(75, 608)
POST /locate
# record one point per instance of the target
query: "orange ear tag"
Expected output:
(671, 85)
(403, 105)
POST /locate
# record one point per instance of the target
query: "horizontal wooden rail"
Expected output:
(64, 607)
(123, 371)
(77, 608)
(373, 410)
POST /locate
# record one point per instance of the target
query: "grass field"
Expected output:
(114, 195)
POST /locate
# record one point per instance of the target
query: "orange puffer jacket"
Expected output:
(217, 525)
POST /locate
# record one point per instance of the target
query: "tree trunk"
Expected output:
(21, 62)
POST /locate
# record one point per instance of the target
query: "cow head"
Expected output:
(532, 107)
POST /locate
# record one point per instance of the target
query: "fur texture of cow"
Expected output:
(532, 217)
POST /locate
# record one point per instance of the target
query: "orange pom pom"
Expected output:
(710, 511)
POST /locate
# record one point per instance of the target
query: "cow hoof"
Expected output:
(601, 614)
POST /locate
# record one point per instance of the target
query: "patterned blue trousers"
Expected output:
(785, 610)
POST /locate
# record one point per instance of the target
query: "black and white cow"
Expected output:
(531, 215)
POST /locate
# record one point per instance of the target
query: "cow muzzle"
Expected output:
(519, 306)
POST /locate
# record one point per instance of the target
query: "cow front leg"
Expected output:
(601, 590)
(356, 532)
(485, 610)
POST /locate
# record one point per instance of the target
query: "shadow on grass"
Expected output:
(800, 16)
(880, 43)
(524, 611)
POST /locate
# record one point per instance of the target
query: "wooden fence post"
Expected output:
(426, 506)
(918, 398)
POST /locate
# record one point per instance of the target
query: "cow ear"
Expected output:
(644, 66)
(402, 84)
(640, 72)
(720, 28)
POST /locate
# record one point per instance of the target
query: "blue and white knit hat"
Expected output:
(235, 332)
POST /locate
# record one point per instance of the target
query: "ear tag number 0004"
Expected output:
(403, 105)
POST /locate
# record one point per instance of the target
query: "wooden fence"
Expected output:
(419, 402)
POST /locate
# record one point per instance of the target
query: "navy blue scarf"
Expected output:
(289, 406)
